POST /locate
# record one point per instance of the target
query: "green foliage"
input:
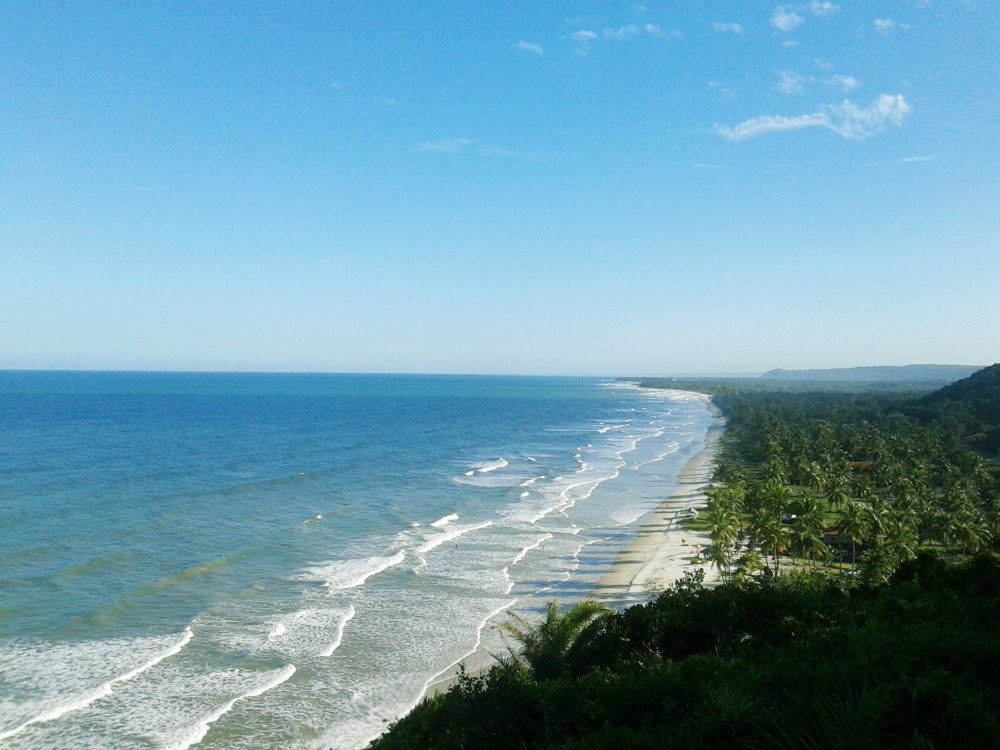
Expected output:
(544, 646)
(798, 662)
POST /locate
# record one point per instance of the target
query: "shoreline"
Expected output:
(662, 551)
(659, 554)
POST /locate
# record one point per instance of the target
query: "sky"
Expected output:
(520, 187)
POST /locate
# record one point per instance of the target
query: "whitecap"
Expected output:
(447, 536)
(195, 733)
(347, 574)
(84, 699)
(445, 520)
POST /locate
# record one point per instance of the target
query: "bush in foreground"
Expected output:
(807, 662)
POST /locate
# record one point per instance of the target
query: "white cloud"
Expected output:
(790, 43)
(786, 19)
(885, 26)
(622, 33)
(790, 82)
(846, 119)
(530, 47)
(823, 8)
(706, 167)
(917, 159)
(445, 146)
(845, 83)
(727, 27)
(511, 153)
(584, 38)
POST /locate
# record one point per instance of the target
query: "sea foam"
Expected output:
(347, 574)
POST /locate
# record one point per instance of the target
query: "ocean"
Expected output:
(267, 560)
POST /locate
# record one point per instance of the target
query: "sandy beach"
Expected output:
(663, 551)
(660, 554)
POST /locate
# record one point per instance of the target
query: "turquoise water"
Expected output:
(287, 560)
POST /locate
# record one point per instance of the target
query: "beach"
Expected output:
(660, 553)
(663, 550)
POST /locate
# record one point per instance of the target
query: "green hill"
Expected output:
(922, 374)
(969, 408)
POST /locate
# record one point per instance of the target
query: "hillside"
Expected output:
(969, 408)
(923, 374)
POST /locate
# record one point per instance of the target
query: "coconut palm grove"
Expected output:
(856, 530)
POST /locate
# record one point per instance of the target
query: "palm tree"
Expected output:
(750, 563)
(544, 645)
(851, 522)
(807, 534)
(772, 534)
(724, 521)
(836, 490)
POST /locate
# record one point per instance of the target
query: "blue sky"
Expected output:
(597, 188)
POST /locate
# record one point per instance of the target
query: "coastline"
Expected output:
(660, 553)
(662, 550)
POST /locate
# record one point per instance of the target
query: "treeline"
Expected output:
(841, 480)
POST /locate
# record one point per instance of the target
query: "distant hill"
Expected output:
(922, 374)
(970, 408)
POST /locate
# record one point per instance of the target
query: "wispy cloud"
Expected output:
(469, 146)
(445, 146)
(702, 167)
(784, 18)
(886, 26)
(727, 27)
(529, 47)
(846, 119)
(845, 83)
(653, 30)
(584, 39)
(790, 82)
(622, 33)
(823, 8)
(512, 153)
(918, 159)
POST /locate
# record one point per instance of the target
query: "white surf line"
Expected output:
(340, 575)
(479, 640)
(339, 636)
(454, 533)
(445, 520)
(197, 733)
(435, 677)
(102, 691)
(520, 555)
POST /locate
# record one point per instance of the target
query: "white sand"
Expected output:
(663, 551)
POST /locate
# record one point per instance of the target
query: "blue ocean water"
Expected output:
(245, 560)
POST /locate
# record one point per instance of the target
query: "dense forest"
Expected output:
(857, 534)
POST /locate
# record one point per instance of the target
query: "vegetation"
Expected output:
(969, 409)
(857, 537)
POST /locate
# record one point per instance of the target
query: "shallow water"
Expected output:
(287, 560)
